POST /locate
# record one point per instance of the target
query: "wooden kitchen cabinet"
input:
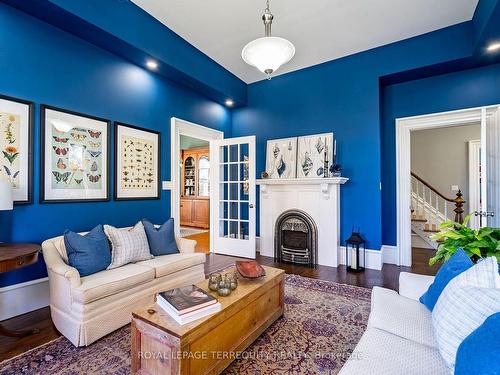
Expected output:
(195, 197)
(186, 211)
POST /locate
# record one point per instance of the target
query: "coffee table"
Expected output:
(207, 346)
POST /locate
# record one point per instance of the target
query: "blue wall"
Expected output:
(465, 89)
(343, 96)
(48, 66)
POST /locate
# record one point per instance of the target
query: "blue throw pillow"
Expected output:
(161, 240)
(89, 253)
(458, 263)
(479, 352)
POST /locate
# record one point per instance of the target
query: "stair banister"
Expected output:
(458, 201)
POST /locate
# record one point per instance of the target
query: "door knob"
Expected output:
(250, 205)
(484, 213)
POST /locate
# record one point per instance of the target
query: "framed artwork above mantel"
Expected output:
(137, 163)
(74, 157)
(314, 153)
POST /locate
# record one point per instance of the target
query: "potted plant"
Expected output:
(477, 244)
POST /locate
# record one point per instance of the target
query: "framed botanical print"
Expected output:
(75, 157)
(16, 146)
(312, 152)
(137, 163)
(281, 158)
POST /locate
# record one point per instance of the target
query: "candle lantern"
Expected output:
(355, 252)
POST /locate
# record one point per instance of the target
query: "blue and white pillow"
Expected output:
(466, 302)
(127, 245)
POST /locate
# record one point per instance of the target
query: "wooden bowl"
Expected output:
(250, 269)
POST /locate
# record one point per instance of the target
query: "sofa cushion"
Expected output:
(106, 283)
(401, 316)
(166, 264)
(466, 302)
(161, 240)
(458, 263)
(380, 352)
(89, 253)
(128, 245)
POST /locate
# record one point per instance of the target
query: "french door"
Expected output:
(489, 212)
(232, 196)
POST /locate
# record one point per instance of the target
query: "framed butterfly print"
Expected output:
(75, 157)
(16, 147)
(137, 163)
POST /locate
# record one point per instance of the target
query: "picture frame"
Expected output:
(74, 156)
(16, 145)
(281, 158)
(311, 154)
(137, 163)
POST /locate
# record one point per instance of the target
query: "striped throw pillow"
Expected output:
(466, 302)
(127, 245)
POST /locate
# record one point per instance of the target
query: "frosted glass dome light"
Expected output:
(268, 53)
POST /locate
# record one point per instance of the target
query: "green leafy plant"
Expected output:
(477, 244)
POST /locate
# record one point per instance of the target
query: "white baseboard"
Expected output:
(22, 298)
(389, 254)
(373, 258)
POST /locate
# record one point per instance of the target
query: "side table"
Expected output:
(14, 256)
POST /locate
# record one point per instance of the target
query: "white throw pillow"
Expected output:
(464, 305)
(127, 245)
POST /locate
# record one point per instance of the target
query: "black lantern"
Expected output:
(355, 253)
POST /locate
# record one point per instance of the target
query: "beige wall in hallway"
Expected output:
(440, 156)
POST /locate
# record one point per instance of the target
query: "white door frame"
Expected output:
(180, 127)
(404, 127)
(474, 181)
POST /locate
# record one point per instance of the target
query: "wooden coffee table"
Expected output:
(207, 346)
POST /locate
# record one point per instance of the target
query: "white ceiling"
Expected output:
(321, 30)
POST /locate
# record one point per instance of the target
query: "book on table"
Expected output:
(187, 304)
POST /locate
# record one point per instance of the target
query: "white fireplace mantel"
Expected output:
(322, 183)
(319, 197)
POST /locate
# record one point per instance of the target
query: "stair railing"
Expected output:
(433, 206)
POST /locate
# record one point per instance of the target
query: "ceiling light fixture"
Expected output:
(151, 64)
(268, 53)
(493, 47)
(229, 102)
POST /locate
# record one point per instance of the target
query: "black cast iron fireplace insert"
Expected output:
(296, 238)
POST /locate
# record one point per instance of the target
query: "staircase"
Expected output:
(429, 208)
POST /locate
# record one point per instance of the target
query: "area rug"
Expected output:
(186, 232)
(322, 324)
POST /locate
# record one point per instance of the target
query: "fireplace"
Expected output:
(296, 238)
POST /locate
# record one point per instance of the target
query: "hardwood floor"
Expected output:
(202, 242)
(387, 277)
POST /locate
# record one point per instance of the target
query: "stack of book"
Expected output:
(188, 303)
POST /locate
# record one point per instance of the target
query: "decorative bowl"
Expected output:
(250, 269)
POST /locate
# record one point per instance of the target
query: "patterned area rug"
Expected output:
(322, 324)
(186, 232)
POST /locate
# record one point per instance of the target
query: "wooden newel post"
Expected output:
(459, 211)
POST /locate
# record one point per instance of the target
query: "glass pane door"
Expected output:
(234, 196)
(490, 153)
(203, 177)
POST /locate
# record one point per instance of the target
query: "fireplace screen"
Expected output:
(296, 238)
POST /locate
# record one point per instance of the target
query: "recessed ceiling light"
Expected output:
(229, 102)
(493, 47)
(151, 64)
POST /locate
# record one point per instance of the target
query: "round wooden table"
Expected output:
(14, 256)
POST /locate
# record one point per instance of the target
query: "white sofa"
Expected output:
(399, 339)
(84, 309)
